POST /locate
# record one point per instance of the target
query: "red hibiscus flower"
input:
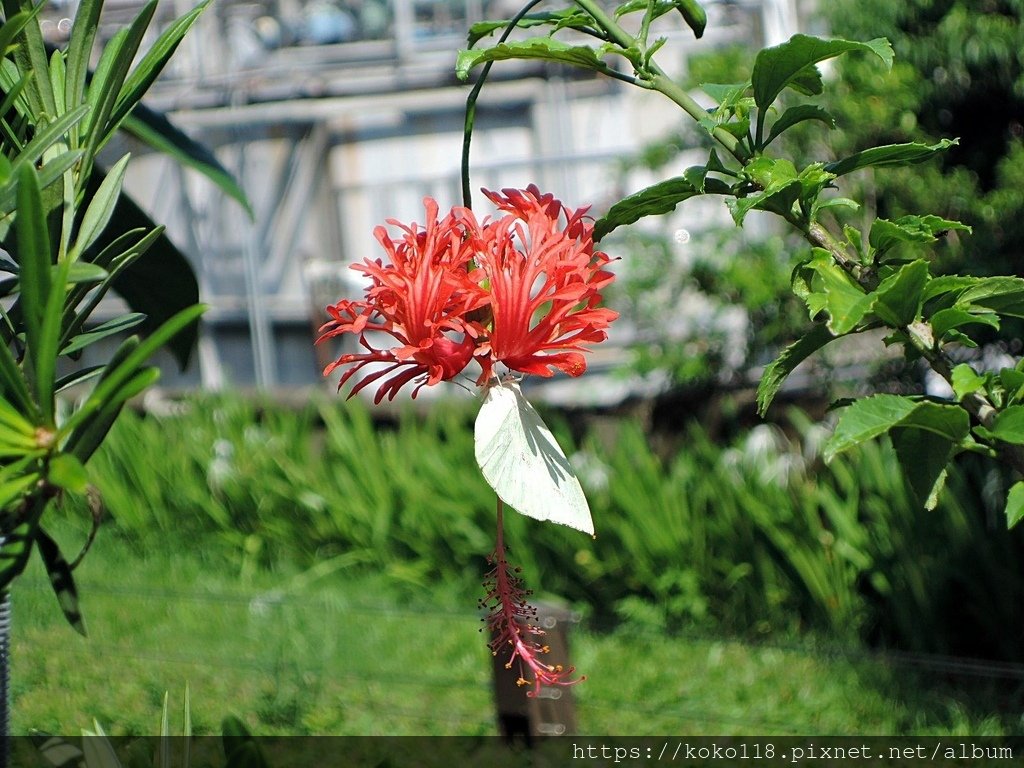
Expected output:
(545, 280)
(420, 298)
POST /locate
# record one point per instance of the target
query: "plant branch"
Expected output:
(660, 81)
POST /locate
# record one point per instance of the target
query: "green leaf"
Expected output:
(965, 381)
(924, 458)
(109, 77)
(30, 56)
(945, 320)
(727, 96)
(15, 388)
(909, 229)
(67, 472)
(89, 435)
(1009, 425)
(1015, 504)
(779, 369)
(1004, 295)
(33, 257)
(151, 65)
(118, 376)
(101, 208)
(777, 67)
(154, 129)
(834, 292)
(656, 200)
(540, 48)
(796, 115)
(161, 283)
(61, 580)
(111, 327)
(898, 298)
(13, 26)
(873, 416)
(890, 154)
(80, 44)
(568, 18)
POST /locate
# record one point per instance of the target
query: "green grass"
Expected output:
(363, 653)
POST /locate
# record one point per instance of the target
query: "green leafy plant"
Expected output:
(853, 279)
(69, 238)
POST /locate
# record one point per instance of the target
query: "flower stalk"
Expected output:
(511, 621)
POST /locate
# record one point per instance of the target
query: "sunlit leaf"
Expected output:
(890, 154)
(777, 67)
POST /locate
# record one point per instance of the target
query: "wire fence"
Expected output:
(470, 684)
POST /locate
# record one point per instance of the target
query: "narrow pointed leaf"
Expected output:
(30, 56)
(80, 44)
(161, 283)
(568, 18)
(101, 208)
(152, 64)
(33, 256)
(154, 129)
(112, 327)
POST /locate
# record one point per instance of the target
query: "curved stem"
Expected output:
(661, 82)
(467, 131)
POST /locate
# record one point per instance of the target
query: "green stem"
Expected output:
(467, 131)
(661, 82)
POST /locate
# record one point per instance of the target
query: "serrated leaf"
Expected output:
(1015, 504)
(965, 381)
(540, 48)
(873, 416)
(899, 297)
(890, 154)
(727, 95)
(835, 293)
(1009, 425)
(909, 229)
(776, 373)
(777, 67)
(656, 200)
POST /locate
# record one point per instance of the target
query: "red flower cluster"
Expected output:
(521, 289)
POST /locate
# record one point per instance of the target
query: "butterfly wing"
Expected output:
(523, 463)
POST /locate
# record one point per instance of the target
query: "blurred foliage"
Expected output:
(756, 537)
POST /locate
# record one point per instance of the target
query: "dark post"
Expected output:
(522, 718)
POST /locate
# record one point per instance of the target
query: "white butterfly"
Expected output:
(523, 463)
